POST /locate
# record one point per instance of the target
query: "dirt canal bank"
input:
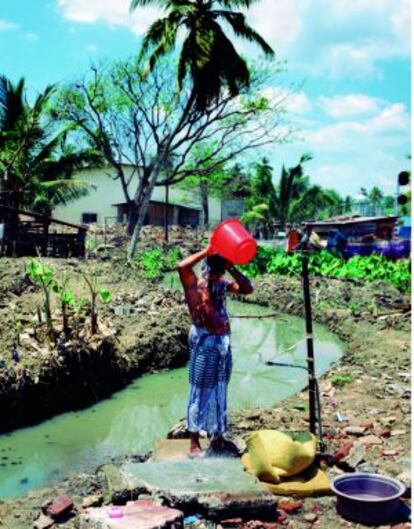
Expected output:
(52, 378)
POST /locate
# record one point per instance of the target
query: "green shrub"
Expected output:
(155, 262)
(325, 264)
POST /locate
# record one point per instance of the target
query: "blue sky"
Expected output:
(350, 60)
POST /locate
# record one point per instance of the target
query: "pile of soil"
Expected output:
(114, 239)
(337, 302)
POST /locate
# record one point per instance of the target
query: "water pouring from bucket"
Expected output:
(232, 241)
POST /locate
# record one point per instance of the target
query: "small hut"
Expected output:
(356, 226)
(26, 233)
(364, 235)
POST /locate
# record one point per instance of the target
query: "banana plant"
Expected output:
(96, 293)
(43, 276)
(67, 299)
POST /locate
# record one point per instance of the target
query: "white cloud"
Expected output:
(348, 60)
(388, 128)
(280, 22)
(394, 117)
(113, 12)
(294, 102)
(349, 105)
(6, 25)
(339, 38)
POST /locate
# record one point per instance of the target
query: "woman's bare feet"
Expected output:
(195, 447)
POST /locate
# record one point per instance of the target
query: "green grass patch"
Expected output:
(340, 380)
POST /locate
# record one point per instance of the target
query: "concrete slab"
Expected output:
(174, 449)
(214, 487)
(135, 515)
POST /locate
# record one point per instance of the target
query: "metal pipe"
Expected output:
(309, 344)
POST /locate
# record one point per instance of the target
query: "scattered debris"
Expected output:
(371, 440)
(43, 522)
(389, 452)
(356, 455)
(289, 506)
(140, 514)
(310, 517)
(355, 430)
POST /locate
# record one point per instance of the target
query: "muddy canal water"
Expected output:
(131, 420)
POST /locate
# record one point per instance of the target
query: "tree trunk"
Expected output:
(132, 217)
(204, 203)
(141, 201)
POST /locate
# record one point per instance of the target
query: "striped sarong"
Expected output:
(210, 370)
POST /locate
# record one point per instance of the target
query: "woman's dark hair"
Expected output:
(216, 264)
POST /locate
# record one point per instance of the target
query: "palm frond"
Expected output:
(3, 92)
(145, 3)
(236, 4)
(298, 206)
(215, 63)
(161, 35)
(45, 150)
(184, 62)
(13, 104)
(240, 27)
(63, 191)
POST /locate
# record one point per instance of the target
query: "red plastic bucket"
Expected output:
(233, 242)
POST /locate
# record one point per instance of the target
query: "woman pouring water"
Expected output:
(210, 342)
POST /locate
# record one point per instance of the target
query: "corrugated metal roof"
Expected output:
(354, 219)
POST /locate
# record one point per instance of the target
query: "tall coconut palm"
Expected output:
(207, 55)
(36, 163)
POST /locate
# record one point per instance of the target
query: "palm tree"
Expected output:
(36, 165)
(292, 200)
(347, 204)
(207, 55)
(293, 192)
(376, 197)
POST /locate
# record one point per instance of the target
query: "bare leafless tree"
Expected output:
(141, 119)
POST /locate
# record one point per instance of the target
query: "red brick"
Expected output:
(343, 452)
(385, 432)
(288, 506)
(60, 506)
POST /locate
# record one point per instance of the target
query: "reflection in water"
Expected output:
(134, 418)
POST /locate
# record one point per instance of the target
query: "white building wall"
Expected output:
(108, 192)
